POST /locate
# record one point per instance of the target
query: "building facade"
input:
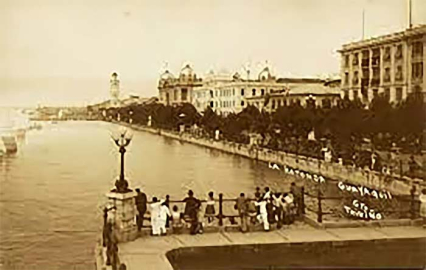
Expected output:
(392, 65)
(302, 91)
(175, 91)
(227, 94)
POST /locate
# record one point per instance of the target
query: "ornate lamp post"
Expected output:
(122, 141)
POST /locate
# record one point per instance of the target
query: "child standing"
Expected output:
(210, 211)
(177, 217)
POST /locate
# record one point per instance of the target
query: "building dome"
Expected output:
(187, 71)
(265, 74)
(166, 75)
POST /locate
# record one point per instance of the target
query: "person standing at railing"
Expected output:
(210, 210)
(140, 201)
(190, 205)
(163, 217)
(177, 218)
(422, 199)
(263, 213)
(276, 201)
(155, 215)
(297, 195)
(242, 206)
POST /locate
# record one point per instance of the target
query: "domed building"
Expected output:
(174, 91)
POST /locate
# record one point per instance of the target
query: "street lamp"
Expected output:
(122, 140)
(130, 117)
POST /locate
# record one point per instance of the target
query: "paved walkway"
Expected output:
(148, 253)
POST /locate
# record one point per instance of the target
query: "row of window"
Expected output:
(386, 93)
(416, 51)
(399, 76)
(229, 93)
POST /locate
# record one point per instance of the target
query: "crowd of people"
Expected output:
(266, 208)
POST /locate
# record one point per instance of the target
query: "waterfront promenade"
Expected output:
(149, 253)
(393, 183)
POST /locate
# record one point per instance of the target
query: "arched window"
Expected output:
(242, 103)
(253, 92)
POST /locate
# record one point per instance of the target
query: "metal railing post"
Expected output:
(220, 209)
(412, 202)
(319, 219)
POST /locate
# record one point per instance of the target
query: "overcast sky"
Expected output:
(62, 52)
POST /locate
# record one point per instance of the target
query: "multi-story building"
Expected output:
(393, 65)
(230, 94)
(302, 91)
(174, 91)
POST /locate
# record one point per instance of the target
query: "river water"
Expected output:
(52, 191)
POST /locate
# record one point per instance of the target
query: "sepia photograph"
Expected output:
(212, 134)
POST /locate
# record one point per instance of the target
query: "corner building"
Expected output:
(392, 65)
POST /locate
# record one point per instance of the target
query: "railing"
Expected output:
(226, 208)
(319, 199)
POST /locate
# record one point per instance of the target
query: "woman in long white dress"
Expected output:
(164, 214)
(155, 215)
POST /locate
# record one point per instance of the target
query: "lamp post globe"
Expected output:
(122, 140)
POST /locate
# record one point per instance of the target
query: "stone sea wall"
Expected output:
(313, 166)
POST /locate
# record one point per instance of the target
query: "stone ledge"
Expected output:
(360, 223)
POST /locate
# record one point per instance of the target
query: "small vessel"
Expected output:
(10, 144)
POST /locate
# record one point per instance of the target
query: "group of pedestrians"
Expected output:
(270, 208)
(266, 208)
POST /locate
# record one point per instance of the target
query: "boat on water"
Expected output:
(10, 144)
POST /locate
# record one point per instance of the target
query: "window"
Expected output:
(356, 78)
(398, 74)
(233, 91)
(356, 94)
(417, 70)
(345, 94)
(253, 92)
(387, 94)
(346, 60)
(387, 76)
(175, 94)
(365, 58)
(273, 104)
(376, 57)
(398, 53)
(417, 49)
(262, 92)
(184, 94)
(398, 94)
(355, 59)
(375, 93)
(376, 76)
(387, 54)
(242, 92)
(346, 78)
(211, 94)
(242, 103)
